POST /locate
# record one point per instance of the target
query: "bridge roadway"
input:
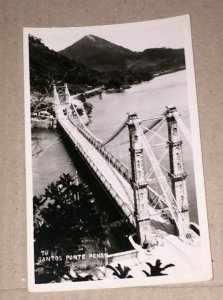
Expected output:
(113, 181)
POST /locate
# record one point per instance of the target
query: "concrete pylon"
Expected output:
(56, 103)
(66, 94)
(177, 172)
(139, 184)
(67, 99)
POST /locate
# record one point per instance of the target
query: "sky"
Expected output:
(169, 33)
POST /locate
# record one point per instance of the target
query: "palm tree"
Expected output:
(120, 272)
(157, 270)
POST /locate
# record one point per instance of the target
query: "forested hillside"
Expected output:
(93, 61)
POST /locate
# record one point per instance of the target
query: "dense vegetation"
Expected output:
(64, 216)
(104, 56)
(102, 63)
(47, 67)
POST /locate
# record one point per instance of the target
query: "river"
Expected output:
(50, 159)
(148, 99)
(52, 156)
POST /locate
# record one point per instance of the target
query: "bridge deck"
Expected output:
(119, 188)
(112, 180)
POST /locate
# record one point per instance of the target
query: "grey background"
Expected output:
(207, 23)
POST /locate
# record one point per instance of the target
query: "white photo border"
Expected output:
(205, 274)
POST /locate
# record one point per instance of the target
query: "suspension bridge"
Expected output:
(145, 199)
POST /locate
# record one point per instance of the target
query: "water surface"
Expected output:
(148, 99)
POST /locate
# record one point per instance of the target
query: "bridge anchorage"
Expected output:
(143, 194)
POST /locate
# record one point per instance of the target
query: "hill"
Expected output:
(160, 59)
(93, 61)
(98, 54)
(47, 67)
(104, 56)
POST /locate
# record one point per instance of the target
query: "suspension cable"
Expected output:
(156, 134)
(147, 129)
(117, 132)
(161, 124)
(160, 160)
(152, 125)
(108, 140)
(83, 125)
(183, 128)
(170, 200)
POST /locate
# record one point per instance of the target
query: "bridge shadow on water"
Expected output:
(118, 236)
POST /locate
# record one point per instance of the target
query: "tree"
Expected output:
(120, 272)
(156, 270)
(57, 271)
(64, 215)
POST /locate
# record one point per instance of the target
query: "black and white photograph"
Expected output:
(115, 188)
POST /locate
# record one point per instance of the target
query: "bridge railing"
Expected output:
(121, 204)
(119, 166)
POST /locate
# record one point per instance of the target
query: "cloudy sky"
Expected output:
(138, 36)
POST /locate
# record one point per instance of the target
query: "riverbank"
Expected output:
(79, 100)
(46, 123)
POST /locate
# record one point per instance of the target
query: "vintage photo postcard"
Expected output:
(115, 190)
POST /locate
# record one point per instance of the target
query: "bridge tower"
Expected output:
(67, 98)
(138, 182)
(56, 103)
(66, 94)
(61, 100)
(177, 172)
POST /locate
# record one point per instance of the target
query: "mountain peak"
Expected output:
(98, 42)
(91, 37)
(104, 56)
(98, 53)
